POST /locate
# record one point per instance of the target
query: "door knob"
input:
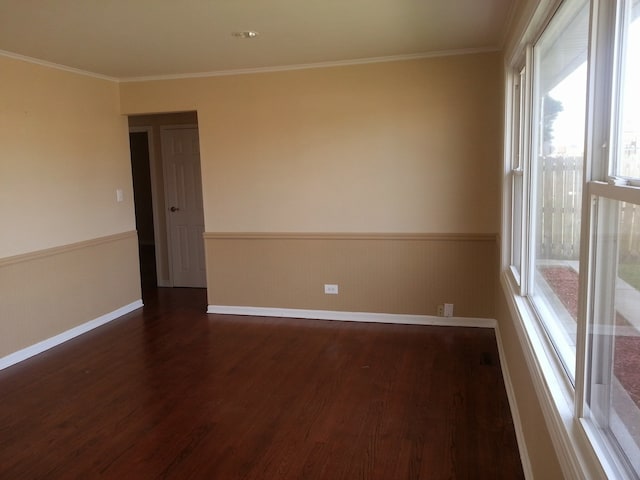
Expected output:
(174, 209)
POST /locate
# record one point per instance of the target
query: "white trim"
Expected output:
(248, 71)
(354, 316)
(305, 66)
(621, 193)
(513, 405)
(40, 347)
(56, 66)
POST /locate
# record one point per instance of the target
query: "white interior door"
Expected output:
(183, 200)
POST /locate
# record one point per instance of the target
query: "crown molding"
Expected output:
(250, 71)
(56, 66)
(306, 66)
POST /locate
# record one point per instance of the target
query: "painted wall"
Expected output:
(389, 149)
(48, 292)
(64, 154)
(409, 146)
(379, 273)
(542, 456)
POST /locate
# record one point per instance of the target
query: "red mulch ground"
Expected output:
(564, 282)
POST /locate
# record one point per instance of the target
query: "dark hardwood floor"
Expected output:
(170, 392)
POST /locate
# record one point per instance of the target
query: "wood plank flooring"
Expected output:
(171, 392)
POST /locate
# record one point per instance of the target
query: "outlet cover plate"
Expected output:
(448, 309)
(330, 289)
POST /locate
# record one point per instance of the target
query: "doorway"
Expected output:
(153, 212)
(139, 143)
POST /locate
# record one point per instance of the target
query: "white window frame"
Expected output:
(581, 449)
(519, 144)
(629, 194)
(604, 132)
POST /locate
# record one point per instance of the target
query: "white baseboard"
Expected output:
(354, 316)
(40, 347)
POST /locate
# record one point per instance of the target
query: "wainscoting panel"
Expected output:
(381, 273)
(45, 293)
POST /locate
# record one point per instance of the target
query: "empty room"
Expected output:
(383, 239)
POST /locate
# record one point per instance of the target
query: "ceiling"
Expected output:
(154, 38)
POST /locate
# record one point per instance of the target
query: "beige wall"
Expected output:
(64, 154)
(542, 456)
(409, 146)
(396, 274)
(45, 293)
(388, 148)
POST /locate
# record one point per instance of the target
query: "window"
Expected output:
(517, 171)
(557, 171)
(573, 229)
(612, 393)
(627, 159)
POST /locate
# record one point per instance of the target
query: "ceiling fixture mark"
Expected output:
(245, 34)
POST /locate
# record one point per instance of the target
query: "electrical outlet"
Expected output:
(448, 310)
(441, 310)
(330, 289)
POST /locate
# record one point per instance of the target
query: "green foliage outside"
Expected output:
(630, 273)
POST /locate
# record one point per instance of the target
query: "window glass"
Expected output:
(560, 81)
(613, 392)
(517, 156)
(516, 244)
(629, 110)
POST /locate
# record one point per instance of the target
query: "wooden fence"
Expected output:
(559, 233)
(561, 192)
(629, 233)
